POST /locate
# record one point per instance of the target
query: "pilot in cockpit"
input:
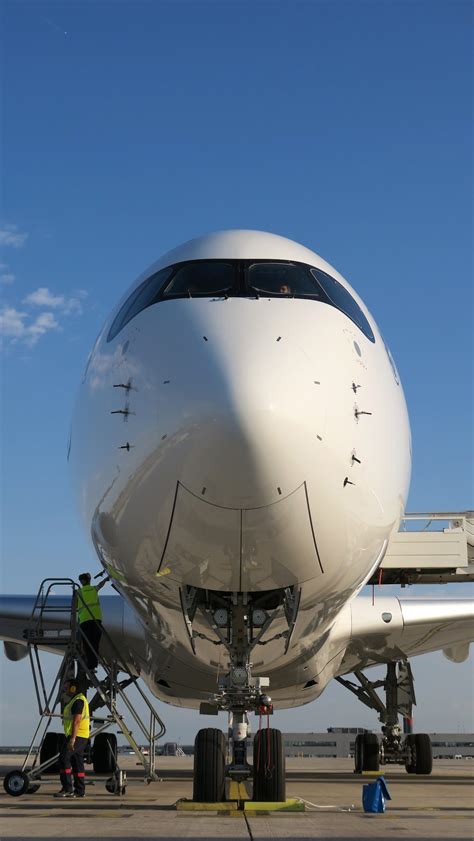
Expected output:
(285, 289)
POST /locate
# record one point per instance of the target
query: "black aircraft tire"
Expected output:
(104, 753)
(209, 766)
(16, 783)
(423, 753)
(367, 753)
(410, 762)
(269, 783)
(52, 744)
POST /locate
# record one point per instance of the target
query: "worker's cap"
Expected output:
(85, 576)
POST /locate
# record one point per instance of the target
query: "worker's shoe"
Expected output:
(64, 793)
(81, 794)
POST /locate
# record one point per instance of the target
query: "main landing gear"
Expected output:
(410, 749)
(239, 622)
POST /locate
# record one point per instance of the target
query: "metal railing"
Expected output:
(108, 690)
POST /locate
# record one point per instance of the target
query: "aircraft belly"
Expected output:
(164, 657)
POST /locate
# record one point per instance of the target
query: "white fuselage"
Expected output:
(240, 444)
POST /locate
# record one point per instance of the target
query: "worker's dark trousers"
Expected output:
(92, 632)
(71, 764)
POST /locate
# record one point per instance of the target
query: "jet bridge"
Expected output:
(430, 548)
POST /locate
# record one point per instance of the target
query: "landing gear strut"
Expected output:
(409, 749)
(239, 622)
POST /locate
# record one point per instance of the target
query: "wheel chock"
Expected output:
(193, 806)
(291, 805)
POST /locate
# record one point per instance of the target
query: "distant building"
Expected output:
(336, 742)
(340, 742)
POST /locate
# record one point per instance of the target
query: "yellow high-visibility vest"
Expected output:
(88, 604)
(84, 726)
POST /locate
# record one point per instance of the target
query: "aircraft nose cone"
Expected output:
(241, 514)
(241, 503)
(251, 420)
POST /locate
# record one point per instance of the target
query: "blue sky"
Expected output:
(131, 127)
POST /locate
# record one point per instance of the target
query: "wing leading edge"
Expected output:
(398, 629)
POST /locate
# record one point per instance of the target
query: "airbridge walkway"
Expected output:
(430, 548)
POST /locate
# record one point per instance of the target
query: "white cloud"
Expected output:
(7, 279)
(10, 235)
(41, 325)
(16, 326)
(21, 324)
(12, 322)
(42, 297)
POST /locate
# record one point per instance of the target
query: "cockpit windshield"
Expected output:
(240, 278)
(290, 279)
(340, 297)
(204, 278)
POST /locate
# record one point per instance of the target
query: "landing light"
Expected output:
(220, 617)
(258, 617)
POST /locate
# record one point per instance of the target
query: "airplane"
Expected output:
(241, 454)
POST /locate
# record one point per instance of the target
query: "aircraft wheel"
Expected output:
(104, 753)
(410, 761)
(269, 783)
(209, 766)
(16, 783)
(367, 753)
(52, 744)
(420, 755)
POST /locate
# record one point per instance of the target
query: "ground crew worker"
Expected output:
(76, 722)
(89, 616)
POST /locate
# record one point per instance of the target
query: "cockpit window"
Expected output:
(244, 278)
(142, 297)
(202, 278)
(341, 298)
(286, 279)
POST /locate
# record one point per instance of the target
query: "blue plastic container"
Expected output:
(374, 795)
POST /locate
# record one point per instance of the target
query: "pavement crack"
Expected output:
(248, 827)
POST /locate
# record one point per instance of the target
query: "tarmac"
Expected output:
(440, 806)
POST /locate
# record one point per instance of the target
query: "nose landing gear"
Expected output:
(240, 624)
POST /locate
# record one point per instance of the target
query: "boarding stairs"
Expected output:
(41, 634)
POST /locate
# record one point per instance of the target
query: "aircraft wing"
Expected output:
(397, 629)
(15, 620)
